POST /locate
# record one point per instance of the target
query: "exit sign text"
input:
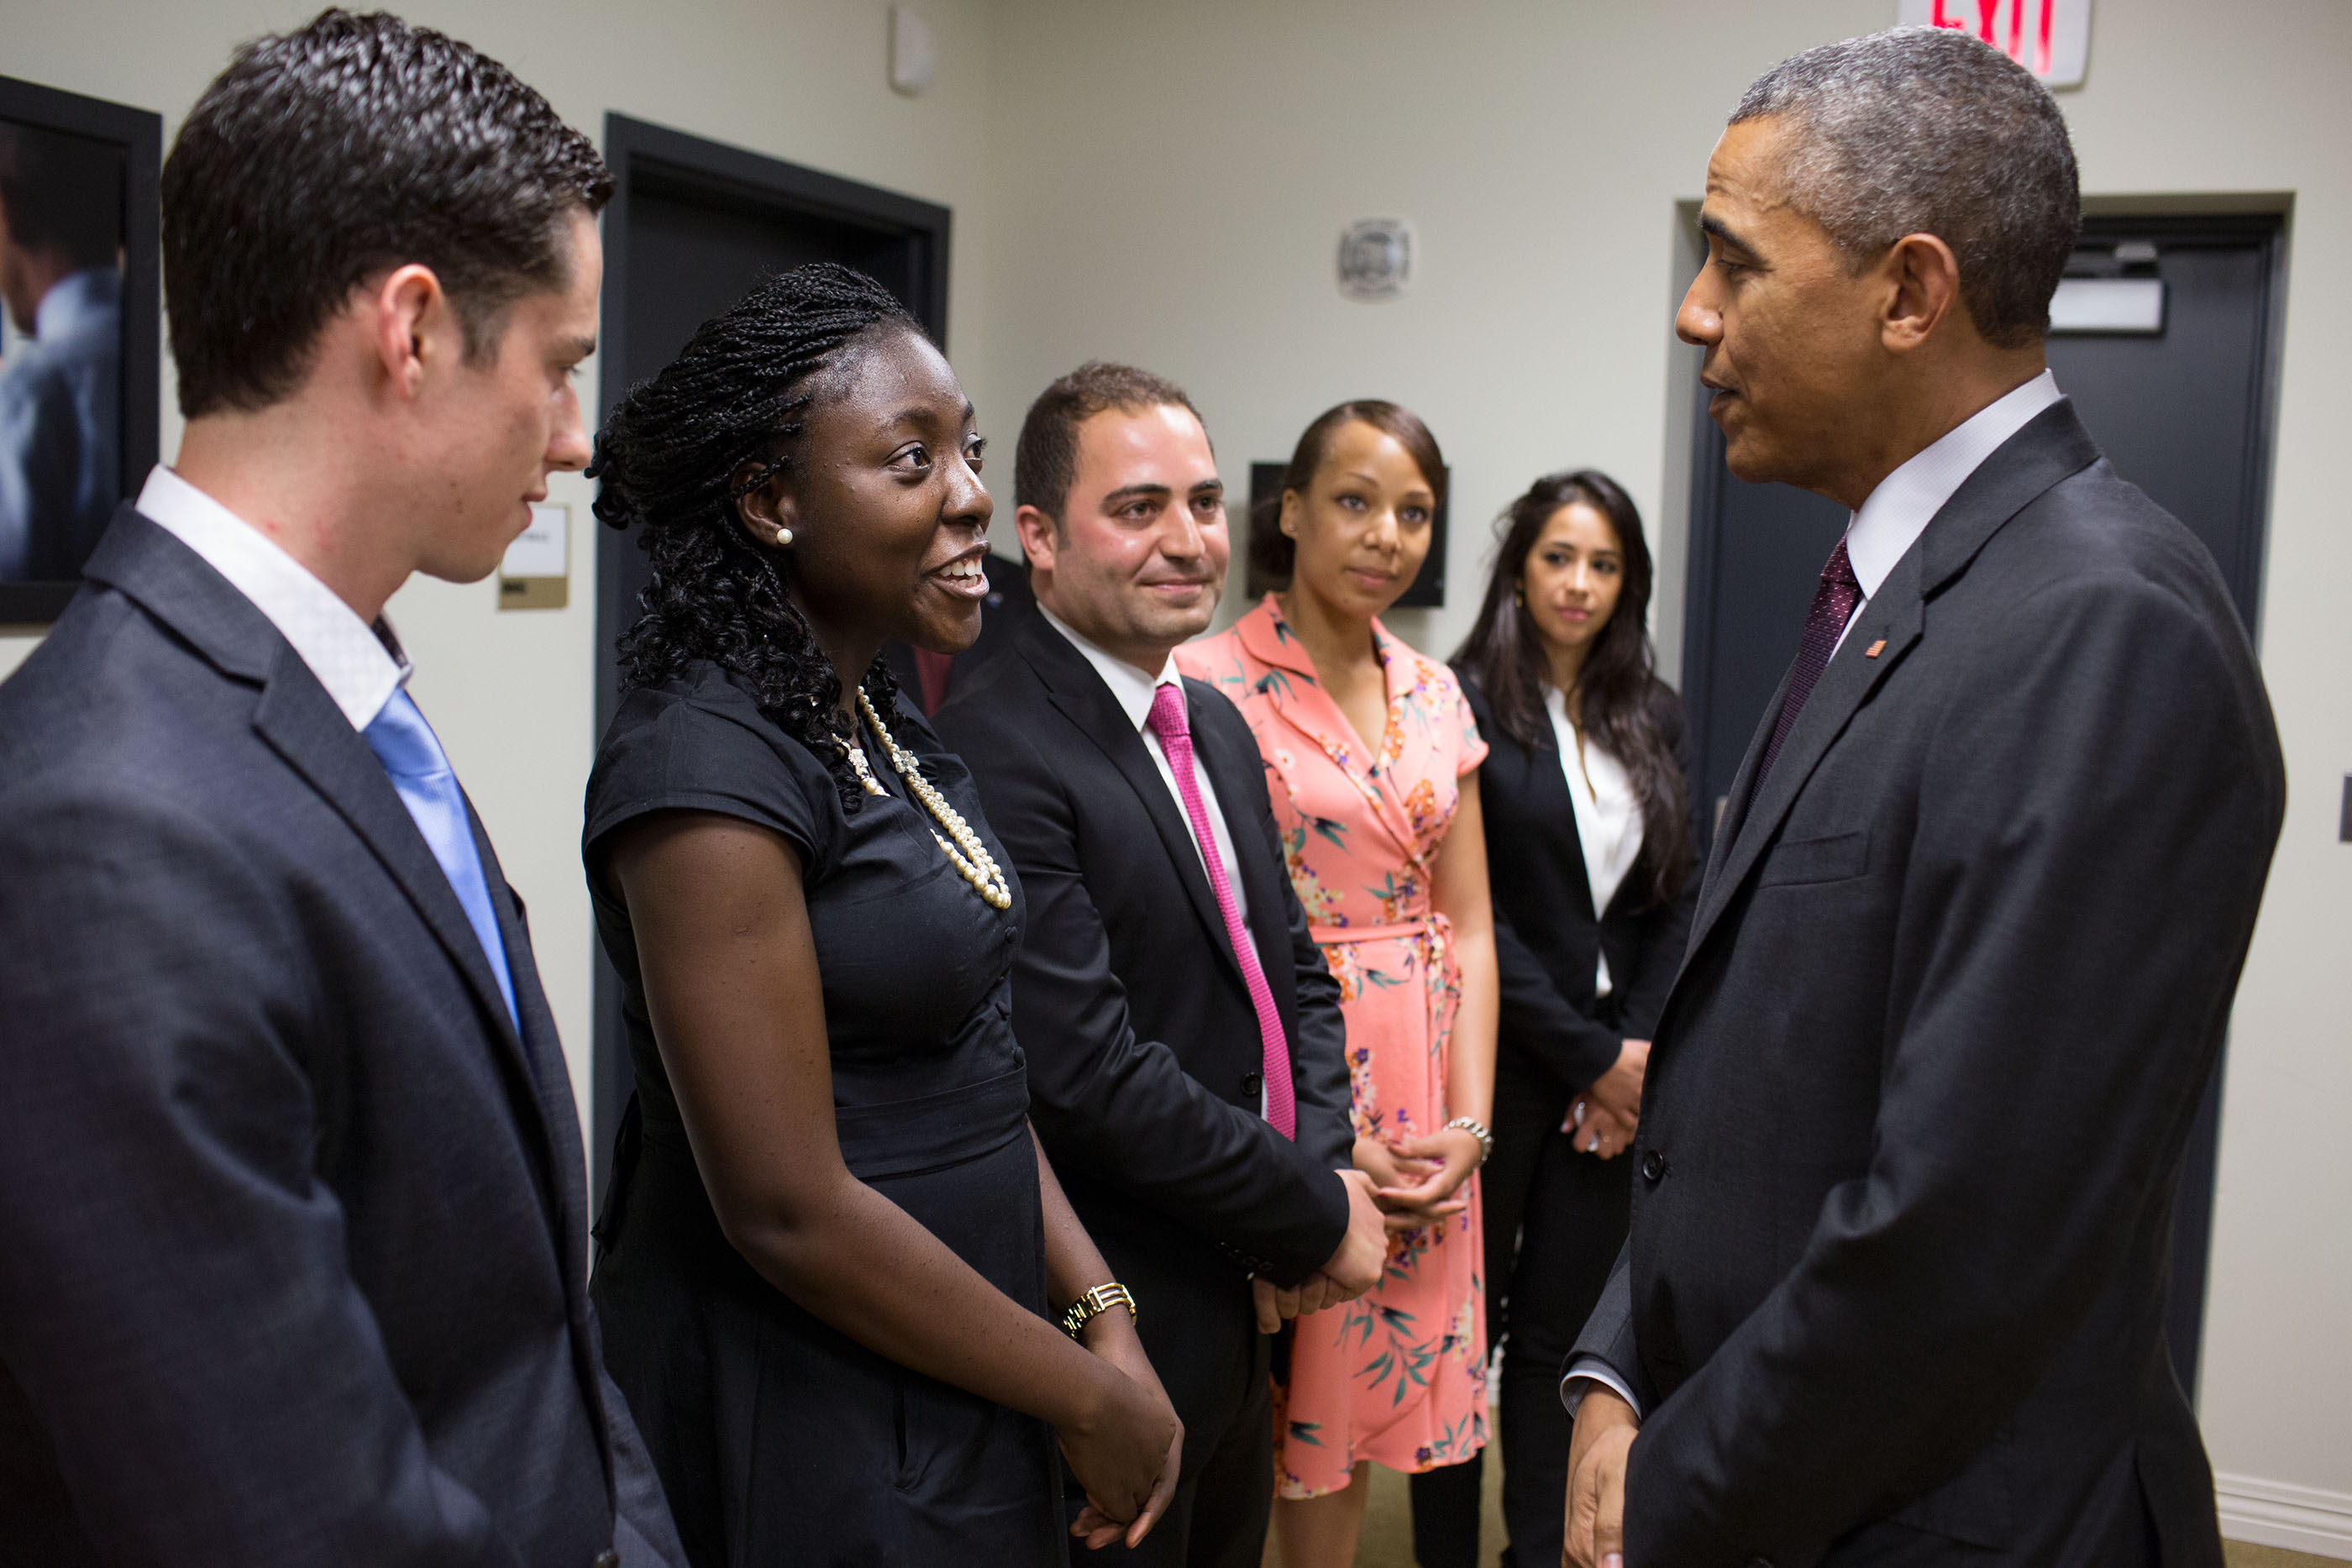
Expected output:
(2051, 38)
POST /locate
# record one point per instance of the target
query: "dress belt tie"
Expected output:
(1327, 935)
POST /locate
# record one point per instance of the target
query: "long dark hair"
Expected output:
(1622, 705)
(1275, 553)
(738, 393)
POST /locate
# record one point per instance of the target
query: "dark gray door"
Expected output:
(2182, 409)
(693, 224)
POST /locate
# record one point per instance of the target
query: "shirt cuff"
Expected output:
(1586, 1369)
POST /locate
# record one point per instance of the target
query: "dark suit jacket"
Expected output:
(1144, 1051)
(1917, 1107)
(1010, 605)
(296, 1260)
(1555, 1036)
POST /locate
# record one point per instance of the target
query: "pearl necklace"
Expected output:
(977, 866)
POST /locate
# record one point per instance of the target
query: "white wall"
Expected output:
(1169, 184)
(513, 694)
(1166, 183)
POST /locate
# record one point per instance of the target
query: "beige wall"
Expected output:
(1166, 183)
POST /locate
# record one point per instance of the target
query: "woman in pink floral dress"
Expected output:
(1371, 754)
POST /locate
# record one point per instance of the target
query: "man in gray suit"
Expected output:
(1964, 955)
(290, 1179)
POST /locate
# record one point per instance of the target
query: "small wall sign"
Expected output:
(537, 571)
(2051, 38)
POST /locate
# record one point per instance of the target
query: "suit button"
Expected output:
(1252, 1083)
(606, 1560)
(1654, 1167)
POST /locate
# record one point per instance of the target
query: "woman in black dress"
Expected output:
(1589, 833)
(830, 1243)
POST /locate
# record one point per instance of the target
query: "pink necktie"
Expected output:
(1167, 721)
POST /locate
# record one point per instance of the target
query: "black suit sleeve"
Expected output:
(1539, 1027)
(1318, 1052)
(177, 1304)
(1120, 1109)
(2097, 808)
(1608, 1333)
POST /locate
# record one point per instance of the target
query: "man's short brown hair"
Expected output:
(1046, 463)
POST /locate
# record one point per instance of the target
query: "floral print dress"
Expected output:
(1398, 1375)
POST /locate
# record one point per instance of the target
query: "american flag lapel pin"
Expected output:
(1874, 649)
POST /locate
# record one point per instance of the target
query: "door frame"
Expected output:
(733, 179)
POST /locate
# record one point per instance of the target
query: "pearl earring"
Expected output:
(783, 536)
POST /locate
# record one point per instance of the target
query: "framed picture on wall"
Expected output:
(1428, 590)
(80, 344)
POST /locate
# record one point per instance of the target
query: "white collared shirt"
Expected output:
(359, 670)
(1607, 815)
(1132, 689)
(1890, 521)
(1895, 514)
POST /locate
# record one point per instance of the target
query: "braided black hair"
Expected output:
(667, 458)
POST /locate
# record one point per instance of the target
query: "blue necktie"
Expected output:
(412, 754)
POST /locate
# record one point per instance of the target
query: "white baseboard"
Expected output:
(2275, 1514)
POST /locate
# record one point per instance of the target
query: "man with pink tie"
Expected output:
(1183, 1033)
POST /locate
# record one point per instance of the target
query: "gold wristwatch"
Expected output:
(1101, 1299)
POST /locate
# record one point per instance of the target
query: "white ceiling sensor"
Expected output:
(2109, 305)
(1376, 259)
(914, 51)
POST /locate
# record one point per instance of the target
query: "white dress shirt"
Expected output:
(359, 670)
(1608, 815)
(1894, 515)
(1132, 687)
(1890, 521)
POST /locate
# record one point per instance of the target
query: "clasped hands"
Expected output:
(1394, 1186)
(1352, 1269)
(1602, 1119)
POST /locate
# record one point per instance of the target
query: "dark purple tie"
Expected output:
(1834, 604)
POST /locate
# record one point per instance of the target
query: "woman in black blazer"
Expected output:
(1559, 672)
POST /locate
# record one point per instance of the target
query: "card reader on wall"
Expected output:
(537, 571)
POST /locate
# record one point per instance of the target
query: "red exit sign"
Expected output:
(2051, 38)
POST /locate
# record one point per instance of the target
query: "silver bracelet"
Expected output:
(1476, 1129)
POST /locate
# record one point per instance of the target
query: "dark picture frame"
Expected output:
(139, 132)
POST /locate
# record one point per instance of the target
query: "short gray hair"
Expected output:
(1928, 130)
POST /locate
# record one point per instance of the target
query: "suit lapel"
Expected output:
(2052, 446)
(302, 725)
(297, 719)
(558, 1115)
(1073, 687)
(1893, 616)
(1261, 879)
(542, 1050)
(1545, 782)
